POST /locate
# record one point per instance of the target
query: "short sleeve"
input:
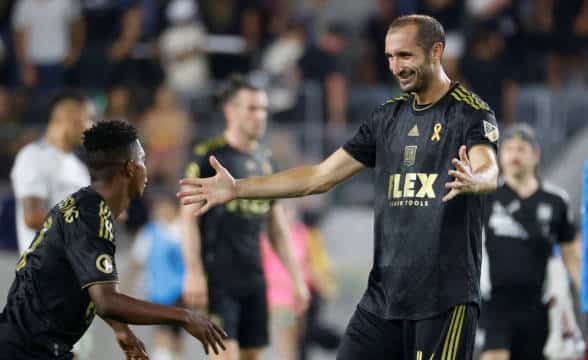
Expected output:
(566, 231)
(90, 244)
(27, 176)
(482, 129)
(362, 146)
(198, 166)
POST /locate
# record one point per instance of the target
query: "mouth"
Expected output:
(406, 76)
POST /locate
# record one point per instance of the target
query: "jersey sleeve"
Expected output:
(566, 231)
(28, 176)
(362, 146)
(90, 244)
(482, 129)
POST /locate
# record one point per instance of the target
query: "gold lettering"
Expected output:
(427, 181)
(397, 193)
(409, 184)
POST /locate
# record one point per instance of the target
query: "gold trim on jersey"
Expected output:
(99, 282)
(462, 94)
(453, 335)
(106, 228)
(398, 98)
(202, 148)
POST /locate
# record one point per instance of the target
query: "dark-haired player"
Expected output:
(68, 273)
(222, 249)
(526, 218)
(423, 292)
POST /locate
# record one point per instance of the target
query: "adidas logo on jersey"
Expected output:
(414, 131)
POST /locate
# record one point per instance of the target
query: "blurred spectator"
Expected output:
(183, 47)
(373, 66)
(157, 251)
(321, 63)
(242, 18)
(119, 105)
(280, 289)
(49, 35)
(166, 131)
(450, 14)
(280, 63)
(113, 27)
(486, 59)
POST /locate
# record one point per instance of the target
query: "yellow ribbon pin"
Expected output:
(437, 132)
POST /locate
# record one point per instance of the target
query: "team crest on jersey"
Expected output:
(491, 131)
(410, 155)
(104, 264)
(544, 213)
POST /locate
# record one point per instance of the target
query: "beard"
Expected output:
(423, 75)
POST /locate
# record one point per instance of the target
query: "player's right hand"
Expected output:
(209, 192)
(195, 293)
(209, 334)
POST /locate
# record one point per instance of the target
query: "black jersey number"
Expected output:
(23, 259)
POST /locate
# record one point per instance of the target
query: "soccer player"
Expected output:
(68, 273)
(47, 170)
(222, 249)
(433, 151)
(526, 217)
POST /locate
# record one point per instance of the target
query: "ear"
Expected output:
(129, 169)
(437, 51)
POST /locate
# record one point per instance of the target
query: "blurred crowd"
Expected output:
(155, 63)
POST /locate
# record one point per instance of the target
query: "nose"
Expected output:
(395, 68)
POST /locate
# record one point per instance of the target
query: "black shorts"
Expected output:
(522, 330)
(12, 347)
(244, 317)
(448, 336)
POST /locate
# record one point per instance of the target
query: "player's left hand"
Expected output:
(464, 180)
(301, 298)
(133, 348)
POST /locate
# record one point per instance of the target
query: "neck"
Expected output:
(240, 142)
(115, 195)
(523, 185)
(437, 88)
(57, 138)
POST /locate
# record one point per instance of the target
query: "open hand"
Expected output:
(464, 181)
(133, 348)
(208, 192)
(209, 334)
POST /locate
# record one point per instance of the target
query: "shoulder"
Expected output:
(209, 146)
(556, 192)
(470, 102)
(391, 105)
(30, 159)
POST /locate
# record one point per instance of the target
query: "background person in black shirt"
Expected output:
(68, 274)
(423, 293)
(222, 250)
(526, 218)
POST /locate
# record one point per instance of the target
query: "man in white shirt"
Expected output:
(49, 35)
(46, 171)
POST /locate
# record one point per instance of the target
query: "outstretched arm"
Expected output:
(295, 182)
(112, 305)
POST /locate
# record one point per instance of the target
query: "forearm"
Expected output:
(572, 258)
(191, 242)
(122, 308)
(78, 34)
(295, 182)
(20, 46)
(484, 169)
(116, 326)
(282, 245)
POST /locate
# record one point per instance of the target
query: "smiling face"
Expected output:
(410, 64)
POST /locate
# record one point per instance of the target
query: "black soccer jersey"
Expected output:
(427, 253)
(48, 303)
(230, 232)
(520, 235)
